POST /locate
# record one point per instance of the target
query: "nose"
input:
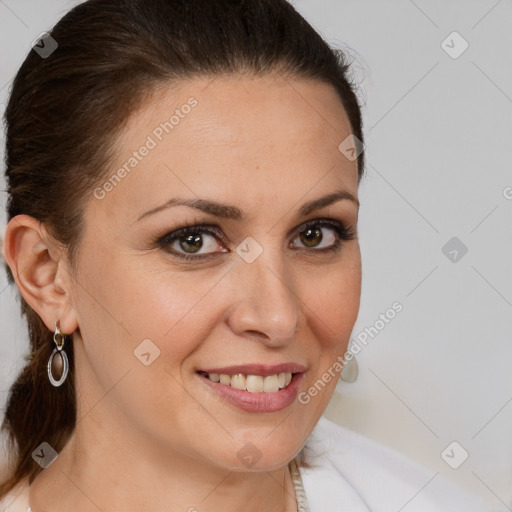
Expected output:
(264, 305)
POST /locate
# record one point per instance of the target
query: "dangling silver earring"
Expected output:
(350, 371)
(58, 360)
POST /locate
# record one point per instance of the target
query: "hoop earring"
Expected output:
(59, 359)
(350, 371)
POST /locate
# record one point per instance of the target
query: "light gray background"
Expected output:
(439, 163)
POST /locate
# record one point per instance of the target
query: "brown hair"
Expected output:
(65, 112)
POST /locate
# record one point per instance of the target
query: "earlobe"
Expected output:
(34, 259)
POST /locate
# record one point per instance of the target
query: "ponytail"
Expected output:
(36, 411)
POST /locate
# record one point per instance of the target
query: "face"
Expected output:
(253, 277)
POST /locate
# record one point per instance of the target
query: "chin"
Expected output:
(260, 456)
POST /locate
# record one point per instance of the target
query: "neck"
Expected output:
(102, 469)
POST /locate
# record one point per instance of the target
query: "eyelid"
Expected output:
(201, 228)
(344, 231)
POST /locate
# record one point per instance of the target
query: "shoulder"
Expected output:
(365, 476)
(16, 500)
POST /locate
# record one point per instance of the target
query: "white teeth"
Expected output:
(253, 383)
(271, 384)
(238, 381)
(225, 379)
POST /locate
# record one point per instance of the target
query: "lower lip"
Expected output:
(257, 402)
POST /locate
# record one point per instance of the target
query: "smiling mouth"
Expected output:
(252, 383)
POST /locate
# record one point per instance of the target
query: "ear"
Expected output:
(40, 268)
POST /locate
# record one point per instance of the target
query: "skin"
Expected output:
(156, 437)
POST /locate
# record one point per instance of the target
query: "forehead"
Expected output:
(269, 100)
(230, 135)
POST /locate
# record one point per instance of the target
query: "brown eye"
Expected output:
(324, 235)
(311, 237)
(191, 243)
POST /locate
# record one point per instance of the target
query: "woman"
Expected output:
(182, 180)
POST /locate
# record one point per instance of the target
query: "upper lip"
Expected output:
(257, 369)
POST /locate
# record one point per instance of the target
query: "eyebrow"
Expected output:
(226, 211)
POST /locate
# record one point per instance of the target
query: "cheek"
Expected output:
(126, 303)
(331, 302)
(132, 302)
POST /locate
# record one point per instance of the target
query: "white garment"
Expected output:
(356, 474)
(353, 474)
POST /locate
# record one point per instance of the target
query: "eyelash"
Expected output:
(343, 233)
